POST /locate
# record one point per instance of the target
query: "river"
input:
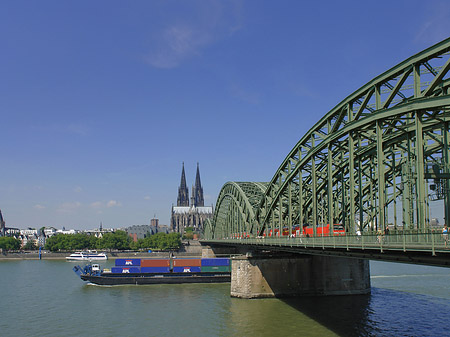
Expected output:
(46, 298)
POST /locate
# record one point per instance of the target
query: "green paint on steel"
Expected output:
(357, 163)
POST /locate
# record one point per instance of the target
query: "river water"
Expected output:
(46, 298)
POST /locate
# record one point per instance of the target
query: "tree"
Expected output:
(9, 243)
(162, 241)
(51, 243)
(93, 242)
(173, 241)
(78, 241)
(30, 245)
(188, 236)
(188, 233)
(118, 240)
(136, 245)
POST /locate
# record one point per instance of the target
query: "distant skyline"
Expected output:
(102, 101)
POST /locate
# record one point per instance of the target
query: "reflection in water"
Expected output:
(59, 304)
(384, 312)
(344, 315)
(271, 317)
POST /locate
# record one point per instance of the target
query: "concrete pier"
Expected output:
(302, 275)
(209, 252)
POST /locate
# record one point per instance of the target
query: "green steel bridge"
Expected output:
(380, 158)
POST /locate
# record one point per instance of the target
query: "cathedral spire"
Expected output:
(183, 191)
(183, 178)
(2, 224)
(198, 190)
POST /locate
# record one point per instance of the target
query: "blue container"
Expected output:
(215, 262)
(187, 269)
(128, 262)
(125, 270)
(155, 269)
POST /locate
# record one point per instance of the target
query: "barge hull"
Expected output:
(172, 278)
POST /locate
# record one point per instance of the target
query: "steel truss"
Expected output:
(380, 152)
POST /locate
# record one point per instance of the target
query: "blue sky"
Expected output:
(102, 101)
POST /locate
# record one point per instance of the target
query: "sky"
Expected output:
(102, 101)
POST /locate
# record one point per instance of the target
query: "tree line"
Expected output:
(118, 240)
(9, 243)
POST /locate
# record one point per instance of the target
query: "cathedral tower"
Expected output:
(191, 215)
(183, 191)
(2, 224)
(197, 191)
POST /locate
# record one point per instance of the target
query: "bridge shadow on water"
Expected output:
(344, 315)
(382, 313)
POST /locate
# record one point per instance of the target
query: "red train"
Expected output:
(306, 231)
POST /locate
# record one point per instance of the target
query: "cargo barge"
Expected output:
(158, 271)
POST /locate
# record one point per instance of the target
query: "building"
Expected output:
(137, 232)
(49, 231)
(2, 225)
(99, 232)
(190, 214)
(154, 222)
(41, 238)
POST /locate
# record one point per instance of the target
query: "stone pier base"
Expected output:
(308, 275)
(209, 252)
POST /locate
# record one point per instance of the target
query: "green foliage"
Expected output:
(135, 245)
(118, 240)
(54, 243)
(188, 236)
(30, 245)
(71, 242)
(161, 241)
(189, 233)
(9, 243)
(93, 241)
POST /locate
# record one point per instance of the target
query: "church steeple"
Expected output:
(194, 216)
(2, 224)
(183, 191)
(197, 191)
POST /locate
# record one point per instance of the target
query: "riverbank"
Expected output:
(115, 255)
(189, 249)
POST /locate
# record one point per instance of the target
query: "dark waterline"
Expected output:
(45, 298)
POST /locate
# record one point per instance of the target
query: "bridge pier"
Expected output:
(303, 275)
(211, 252)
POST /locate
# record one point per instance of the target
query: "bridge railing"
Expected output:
(406, 241)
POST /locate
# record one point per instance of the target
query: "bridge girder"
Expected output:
(235, 209)
(360, 162)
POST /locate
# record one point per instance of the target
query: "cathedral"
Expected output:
(193, 212)
(2, 225)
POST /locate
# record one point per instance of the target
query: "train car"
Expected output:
(308, 230)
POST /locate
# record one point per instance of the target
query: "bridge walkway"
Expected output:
(423, 248)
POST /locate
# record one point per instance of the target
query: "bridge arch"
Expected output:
(235, 210)
(381, 151)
